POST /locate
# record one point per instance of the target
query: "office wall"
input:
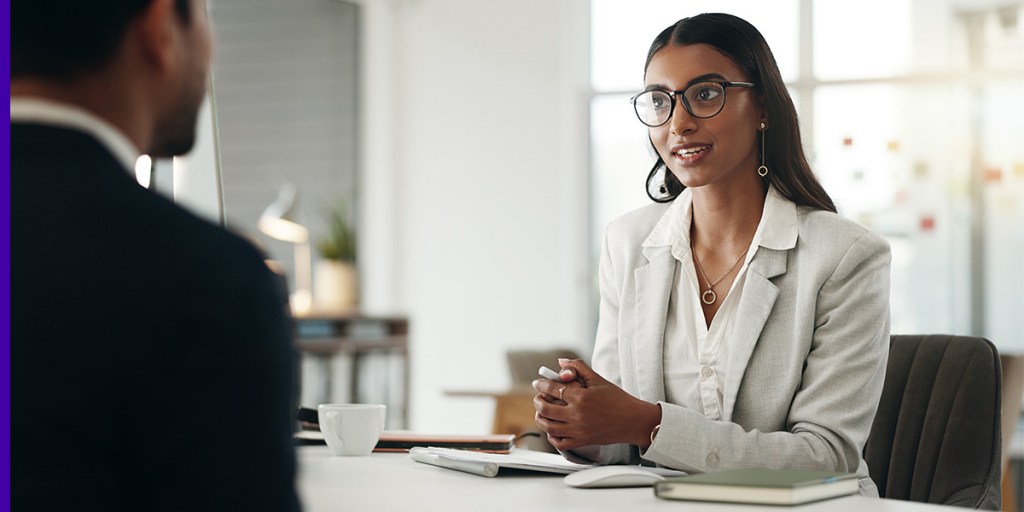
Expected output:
(285, 76)
(473, 189)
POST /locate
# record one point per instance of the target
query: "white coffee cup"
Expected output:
(351, 429)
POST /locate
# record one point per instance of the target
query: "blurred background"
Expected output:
(477, 150)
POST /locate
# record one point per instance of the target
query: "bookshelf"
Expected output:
(355, 359)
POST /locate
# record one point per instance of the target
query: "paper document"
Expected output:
(488, 464)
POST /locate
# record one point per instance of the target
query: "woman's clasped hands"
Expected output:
(583, 409)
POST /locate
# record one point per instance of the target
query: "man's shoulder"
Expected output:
(50, 143)
(198, 244)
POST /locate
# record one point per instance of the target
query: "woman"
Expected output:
(743, 324)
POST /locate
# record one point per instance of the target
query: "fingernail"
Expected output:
(565, 372)
(563, 360)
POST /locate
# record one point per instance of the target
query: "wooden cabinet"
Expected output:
(355, 359)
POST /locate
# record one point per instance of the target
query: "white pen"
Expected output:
(426, 456)
(548, 373)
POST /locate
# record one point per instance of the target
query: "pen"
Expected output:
(488, 469)
(548, 373)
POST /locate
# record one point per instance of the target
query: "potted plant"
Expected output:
(335, 285)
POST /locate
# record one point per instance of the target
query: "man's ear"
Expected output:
(155, 33)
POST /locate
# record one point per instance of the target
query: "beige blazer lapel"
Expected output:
(759, 295)
(653, 290)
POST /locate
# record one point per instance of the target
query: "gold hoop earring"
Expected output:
(763, 170)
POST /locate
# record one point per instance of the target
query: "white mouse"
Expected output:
(618, 476)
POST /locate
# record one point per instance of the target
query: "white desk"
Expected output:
(386, 482)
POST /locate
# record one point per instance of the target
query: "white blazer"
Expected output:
(808, 357)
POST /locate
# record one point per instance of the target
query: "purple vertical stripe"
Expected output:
(5, 275)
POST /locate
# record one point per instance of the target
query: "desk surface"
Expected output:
(392, 482)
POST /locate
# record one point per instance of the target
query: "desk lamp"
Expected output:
(279, 222)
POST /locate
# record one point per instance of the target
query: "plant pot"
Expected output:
(335, 286)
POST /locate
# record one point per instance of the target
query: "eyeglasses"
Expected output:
(702, 100)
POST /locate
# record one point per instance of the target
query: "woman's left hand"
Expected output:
(591, 411)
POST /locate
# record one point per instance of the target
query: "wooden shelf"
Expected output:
(337, 352)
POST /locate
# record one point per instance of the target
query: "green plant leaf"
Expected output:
(340, 242)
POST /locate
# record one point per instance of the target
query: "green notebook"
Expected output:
(764, 486)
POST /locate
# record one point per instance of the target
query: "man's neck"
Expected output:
(100, 99)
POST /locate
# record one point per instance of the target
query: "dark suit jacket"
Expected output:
(151, 354)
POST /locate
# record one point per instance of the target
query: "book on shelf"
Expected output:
(761, 486)
(351, 328)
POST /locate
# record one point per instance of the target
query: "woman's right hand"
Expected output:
(589, 410)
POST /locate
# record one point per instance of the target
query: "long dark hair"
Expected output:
(784, 154)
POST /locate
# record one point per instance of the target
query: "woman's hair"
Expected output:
(784, 155)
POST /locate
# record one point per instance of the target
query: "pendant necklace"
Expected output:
(709, 296)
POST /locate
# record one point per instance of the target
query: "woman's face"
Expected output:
(717, 150)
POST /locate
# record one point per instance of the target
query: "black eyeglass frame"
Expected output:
(686, 104)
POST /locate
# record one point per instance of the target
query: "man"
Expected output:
(151, 358)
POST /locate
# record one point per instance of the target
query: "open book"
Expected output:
(488, 464)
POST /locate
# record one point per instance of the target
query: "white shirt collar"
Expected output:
(776, 230)
(49, 112)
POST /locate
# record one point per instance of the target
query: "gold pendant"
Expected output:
(709, 296)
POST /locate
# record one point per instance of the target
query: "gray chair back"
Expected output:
(523, 364)
(936, 436)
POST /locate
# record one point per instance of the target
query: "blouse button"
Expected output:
(707, 372)
(712, 459)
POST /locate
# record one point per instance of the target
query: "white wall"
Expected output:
(473, 189)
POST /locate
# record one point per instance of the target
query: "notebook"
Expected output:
(400, 441)
(763, 486)
(404, 441)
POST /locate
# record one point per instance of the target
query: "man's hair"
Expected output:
(58, 39)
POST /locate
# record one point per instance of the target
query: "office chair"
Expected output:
(523, 364)
(936, 435)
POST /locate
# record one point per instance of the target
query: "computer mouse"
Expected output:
(618, 476)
